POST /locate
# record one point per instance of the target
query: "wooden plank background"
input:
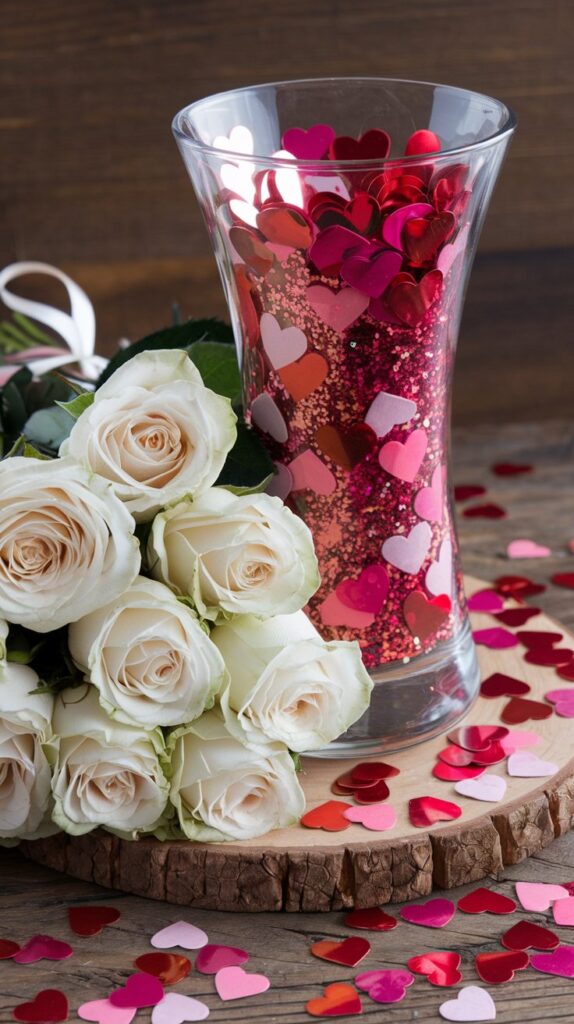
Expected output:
(91, 180)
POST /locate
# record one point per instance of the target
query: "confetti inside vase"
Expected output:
(344, 215)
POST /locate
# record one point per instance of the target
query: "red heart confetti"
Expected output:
(477, 737)
(496, 968)
(566, 672)
(440, 968)
(435, 913)
(43, 947)
(515, 617)
(48, 1007)
(373, 771)
(372, 919)
(486, 901)
(372, 145)
(91, 920)
(456, 756)
(493, 754)
(312, 144)
(463, 492)
(527, 935)
(563, 579)
(348, 953)
(556, 657)
(421, 142)
(372, 794)
(451, 773)
(487, 511)
(510, 468)
(338, 1000)
(168, 968)
(347, 448)
(500, 685)
(140, 990)
(495, 637)
(8, 949)
(424, 616)
(485, 601)
(212, 958)
(368, 593)
(428, 810)
(328, 816)
(520, 710)
(535, 639)
(518, 586)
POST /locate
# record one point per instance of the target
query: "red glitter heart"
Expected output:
(423, 616)
(563, 579)
(516, 616)
(252, 249)
(463, 492)
(452, 773)
(495, 968)
(338, 1000)
(477, 737)
(423, 236)
(410, 300)
(373, 771)
(518, 586)
(428, 810)
(501, 685)
(8, 949)
(537, 639)
(328, 816)
(372, 145)
(488, 511)
(48, 1006)
(348, 953)
(91, 920)
(527, 935)
(169, 968)
(368, 593)
(485, 901)
(346, 447)
(284, 225)
(553, 657)
(372, 919)
(519, 710)
(440, 968)
(510, 468)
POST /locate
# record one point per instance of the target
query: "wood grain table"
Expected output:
(34, 899)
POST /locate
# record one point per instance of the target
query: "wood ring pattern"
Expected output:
(300, 869)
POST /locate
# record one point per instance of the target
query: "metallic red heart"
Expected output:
(451, 773)
(511, 468)
(496, 968)
(486, 901)
(477, 737)
(373, 771)
(212, 957)
(441, 968)
(346, 447)
(518, 586)
(552, 657)
(486, 511)
(456, 756)
(410, 300)
(564, 579)
(515, 617)
(423, 236)
(373, 144)
(527, 935)
(500, 685)
(349, 952)
(520, 710)
(328, 816)
(428, 810)
(536, 639)
(48, 1007)
(91, 920)
(463, 492)
(423, 616)
(494, 754)
(8, 949)
(168, 968)
(338, 1000)
(43, 947)
(371, 919)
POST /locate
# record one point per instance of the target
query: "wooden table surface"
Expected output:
(34, 899)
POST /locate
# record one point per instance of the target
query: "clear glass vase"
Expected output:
(344, 215)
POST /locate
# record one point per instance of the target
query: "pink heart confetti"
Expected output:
(395, 222)
(495, 637)
(368, 593)
(559, 962)
(471, 1004)
(309, 473)
(376, 817)
(139, 990)
(438, 579)
(436, 913)
(388, 411)
(104, 1012)
(485, 601)
(281, 484)
(563, 701)
(428, 502)
(310, 144)
(538, 896)
(525, 765)
(517, 739)
(403, 460)
(388, 986)
(235, 983)
(268, 417)
(333, 245)
(490, 788)
(212, 958)
(371, 273)
(176, 1008)
(337, 309)
(282, 345)
(523, 548)
(42, 947)
(563, 911)
(182, 933)
(408, 553)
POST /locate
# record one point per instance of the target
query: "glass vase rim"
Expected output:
(275, 162)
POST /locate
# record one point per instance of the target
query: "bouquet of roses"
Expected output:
(157, 673)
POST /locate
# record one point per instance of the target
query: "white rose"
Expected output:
(26, 748)
(237, 554)
(107, 775)
(155, 431)
(66, 543)
(224, 788)
(288, 683)
(148, 656)
(3, 638)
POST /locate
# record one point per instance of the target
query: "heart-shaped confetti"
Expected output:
(563, 701)
(347, 447)
(211, 958)
(495, 637)
(284, 225)
(490, 788)
(371, 274)
(334, 613)
(337, 309)
(42, 947)
(310, 144)
(520, 710)
(395, 222)
(372, 794)
(424, 236)
(441, 968)
(566, 672)
(500, 685)
(389, 986)
(266, 415)
(471, 1004)
(403, 459)
(332, 246)
(387, 411)
(373, 144)
(283, 345)
(518, 586)
(538, 639)
(348, 953)
(182, 933)
(423, 616)
(525, 765)
(168, 968)
(487, 511)
(515, 617)
(552, 657)
(338, 1000)
(104, 1012)
(235, 983)
(456, 756)
(527, 935)
(560, 962)
(328, 816)
(309, 473)
(439, 577)
(421, 142)
(373, 771)
(176, 1008)
(91, 920)
(524, 548)
(252, 249)
(477, 737)
(538, 896)
(371, 919)
(486, 901)
(376, 817)
(408, 553)
(410, 300)
(485, 601)
(563, 911)
(496, 968)
(463, 492)
(511, 468)
(425, 811)
(139, 990)
(8, 949)
(48, 1007)
(517, 739)
(452, 773)
(563, 579)
(436, 913)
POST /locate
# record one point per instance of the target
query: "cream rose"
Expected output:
(26, 749)
(155, 431)
(66, 543)
(235, 554)
(148, 656)
(288, 683)
(107, 775)
(225, 788)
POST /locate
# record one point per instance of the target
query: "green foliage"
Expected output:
(78, 405)
(28, 411)
(248, 463)
(218, 367)
(180, 336)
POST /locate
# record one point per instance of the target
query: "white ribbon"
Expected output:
(77, 328)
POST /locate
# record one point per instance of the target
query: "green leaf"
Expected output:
(78, 404)
(248, 462)
(47, 428)
(32, 453)
(218, 367)
(32, 329)
(180, 336)
(257, 489)
(13, 409)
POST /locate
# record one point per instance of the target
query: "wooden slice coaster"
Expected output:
(312, 870)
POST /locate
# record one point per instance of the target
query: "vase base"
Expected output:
(414, 702)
